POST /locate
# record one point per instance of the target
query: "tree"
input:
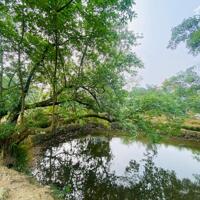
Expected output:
(154, 112)
(186, 86)
(77, 51)
(21, 56)
(189, 32)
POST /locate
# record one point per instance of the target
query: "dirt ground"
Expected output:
(20, 187)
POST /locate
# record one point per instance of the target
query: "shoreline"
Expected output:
(17, 185)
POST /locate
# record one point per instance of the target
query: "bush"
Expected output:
(6, 130)
(20, 153)
(38, 119)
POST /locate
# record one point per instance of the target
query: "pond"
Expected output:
(112, 168)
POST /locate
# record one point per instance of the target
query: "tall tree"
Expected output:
(77, 50)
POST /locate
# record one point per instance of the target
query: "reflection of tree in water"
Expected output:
(196, 155)
(84, 167)
(159, 184)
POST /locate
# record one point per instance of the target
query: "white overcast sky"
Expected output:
(155, 20)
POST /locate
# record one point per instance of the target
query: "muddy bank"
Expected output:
(17, 186)
(189, 135)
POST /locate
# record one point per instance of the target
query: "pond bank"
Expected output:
(73, 130)
(17, 186)
(187, 134)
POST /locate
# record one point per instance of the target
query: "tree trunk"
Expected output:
(1, 72)
(19, 70)
(55, 75)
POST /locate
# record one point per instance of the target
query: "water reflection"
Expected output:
(83, 169)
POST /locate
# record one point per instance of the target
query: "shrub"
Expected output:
(6, 130)
(38, 119)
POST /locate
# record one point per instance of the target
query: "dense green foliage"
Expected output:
(188, 31)
(186, 86)
(166, 107)
(66, 61)
(68, 57)
(6, 130)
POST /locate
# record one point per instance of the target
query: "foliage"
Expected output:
(70, 59)
(154, 111)
(6, 130)
(186, 86)
(60, 194)
(38, 119)
(66, 55)
(188, 31)
(20, 153)
(162, 110)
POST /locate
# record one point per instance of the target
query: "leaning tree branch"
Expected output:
(99, 116)
(92, 94)
(32, 72)
(41, 104)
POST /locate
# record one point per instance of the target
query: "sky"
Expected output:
(155, 19)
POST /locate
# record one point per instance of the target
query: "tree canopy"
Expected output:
(189, 32)
(75, 50)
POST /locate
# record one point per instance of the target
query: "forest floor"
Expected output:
(17, 186)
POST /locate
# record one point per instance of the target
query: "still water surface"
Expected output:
(105, 168)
